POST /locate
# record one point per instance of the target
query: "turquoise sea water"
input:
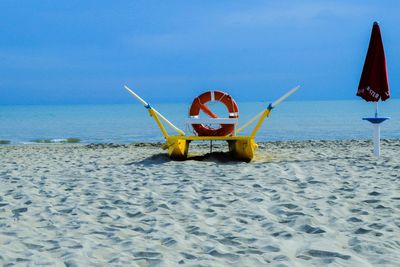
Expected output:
(131, 123)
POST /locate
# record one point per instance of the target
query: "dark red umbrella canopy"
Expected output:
(374, 83)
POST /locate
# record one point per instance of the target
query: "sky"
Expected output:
(83, 52)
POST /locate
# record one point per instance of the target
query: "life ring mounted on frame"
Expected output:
(200, 104)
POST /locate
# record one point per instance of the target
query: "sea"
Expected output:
(129, 123)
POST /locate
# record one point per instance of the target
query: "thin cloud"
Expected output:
(268, 15)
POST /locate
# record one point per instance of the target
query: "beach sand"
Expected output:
(305, 203)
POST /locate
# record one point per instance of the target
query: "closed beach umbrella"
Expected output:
(374, 85)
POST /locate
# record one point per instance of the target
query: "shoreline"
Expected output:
(152, 143)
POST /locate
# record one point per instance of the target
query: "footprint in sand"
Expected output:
(282, 234)
(354, 219)
(311, 230)
(228, 256)
(168, 241)
(270, 248)
(324, 254)
(17, 212)
(361, 231)
(188, 256)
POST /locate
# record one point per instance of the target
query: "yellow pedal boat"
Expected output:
(240, 147)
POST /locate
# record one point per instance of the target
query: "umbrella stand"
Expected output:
(376, 123)
(374, 84)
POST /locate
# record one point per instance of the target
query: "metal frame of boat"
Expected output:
(241, 147)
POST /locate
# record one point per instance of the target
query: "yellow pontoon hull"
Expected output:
(177, 148)
(241, 147)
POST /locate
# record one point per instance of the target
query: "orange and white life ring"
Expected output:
(199, 103)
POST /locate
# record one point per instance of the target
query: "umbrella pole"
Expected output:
(377, 137)
(377, 134)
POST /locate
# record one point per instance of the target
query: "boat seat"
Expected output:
(212, 121)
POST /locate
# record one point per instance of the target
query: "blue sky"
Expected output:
(55, 52)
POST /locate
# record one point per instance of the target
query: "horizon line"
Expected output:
(176, 102)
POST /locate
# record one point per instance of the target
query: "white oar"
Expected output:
(146, 105)
(279, 100)
(249, 122)
(271, 106)
(141, 100)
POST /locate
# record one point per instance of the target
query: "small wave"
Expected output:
(55, 141)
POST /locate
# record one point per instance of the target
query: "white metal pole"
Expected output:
(146, 105)
(377, 137)
(141, 100)
(291, 92)
(272, 105)
(249, 122)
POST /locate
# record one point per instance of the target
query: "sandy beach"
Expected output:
(300, 203)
